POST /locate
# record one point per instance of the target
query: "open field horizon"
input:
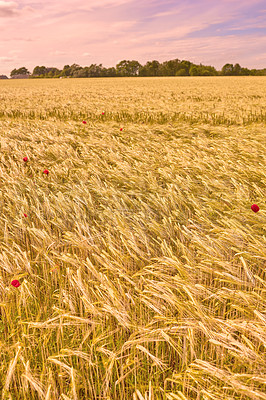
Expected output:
(141, 264)
(161, 100)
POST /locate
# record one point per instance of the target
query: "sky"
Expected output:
(54, 33)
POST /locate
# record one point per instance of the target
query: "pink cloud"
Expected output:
(8, 9)
(212, 50)
(7, 59)
(106, 31)
(12, 9)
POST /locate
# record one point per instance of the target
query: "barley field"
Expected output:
(137, 264)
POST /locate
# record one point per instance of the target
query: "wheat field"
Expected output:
(140, 263)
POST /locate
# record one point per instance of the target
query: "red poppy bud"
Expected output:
(15, 283)
(121, 129)
(46, 172)
(25, 159)
(255, 208)
(25, 215)
(84, 122)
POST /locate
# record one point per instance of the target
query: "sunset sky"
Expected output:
(55, 33)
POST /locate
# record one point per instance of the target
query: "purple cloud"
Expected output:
(107, 31)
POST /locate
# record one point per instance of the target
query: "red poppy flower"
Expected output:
(255, 208)
(121, 129)
(46, 172)
(84, 122)
(25, 215)
(25, 159)
(15, 283)
(54, 269)
(103, 113)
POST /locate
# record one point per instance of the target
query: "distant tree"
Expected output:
(53, 72)
(143, 71)
(184, 65)
(206, 70)
(108, 72)
(66, 71)
(73, 69)
(37, 71)
(163, 70)
(121, 68)
(81, 73)
(253, 72)
(260, 72)
(194, 70)
(169, 68)
(111, 71)
(211, 70)
(152, 68)
(181, 72)
(95, 71)
(128, 68)
(173, 67)
(228, 69)
(236, 69)
(245, 71)
(20, 71)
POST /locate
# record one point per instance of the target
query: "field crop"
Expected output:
(140, 263)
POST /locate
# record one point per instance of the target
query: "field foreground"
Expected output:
(141, 264)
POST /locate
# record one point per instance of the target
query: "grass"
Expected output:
(142, 266)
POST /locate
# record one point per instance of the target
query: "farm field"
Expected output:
(140, 263)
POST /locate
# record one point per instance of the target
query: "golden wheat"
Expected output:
(141, 263)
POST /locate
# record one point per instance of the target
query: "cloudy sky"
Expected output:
(55, 33)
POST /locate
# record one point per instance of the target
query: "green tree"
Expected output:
(143, 71)
(244, 71)
(66, 71)
(20, 71)
(128, 68)
(181, 72)
(184, 65)
(81, 73)
(228, 69)
(169, 68)
(211, 70)
(73, 69)
(108, 72)
(111, 71)
(152, 68)
(37, 71)
(260, 72)
(95, 71)
(194, 70)
(52, 72)
(236, 69)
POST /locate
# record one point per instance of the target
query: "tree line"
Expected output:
(174, 67)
